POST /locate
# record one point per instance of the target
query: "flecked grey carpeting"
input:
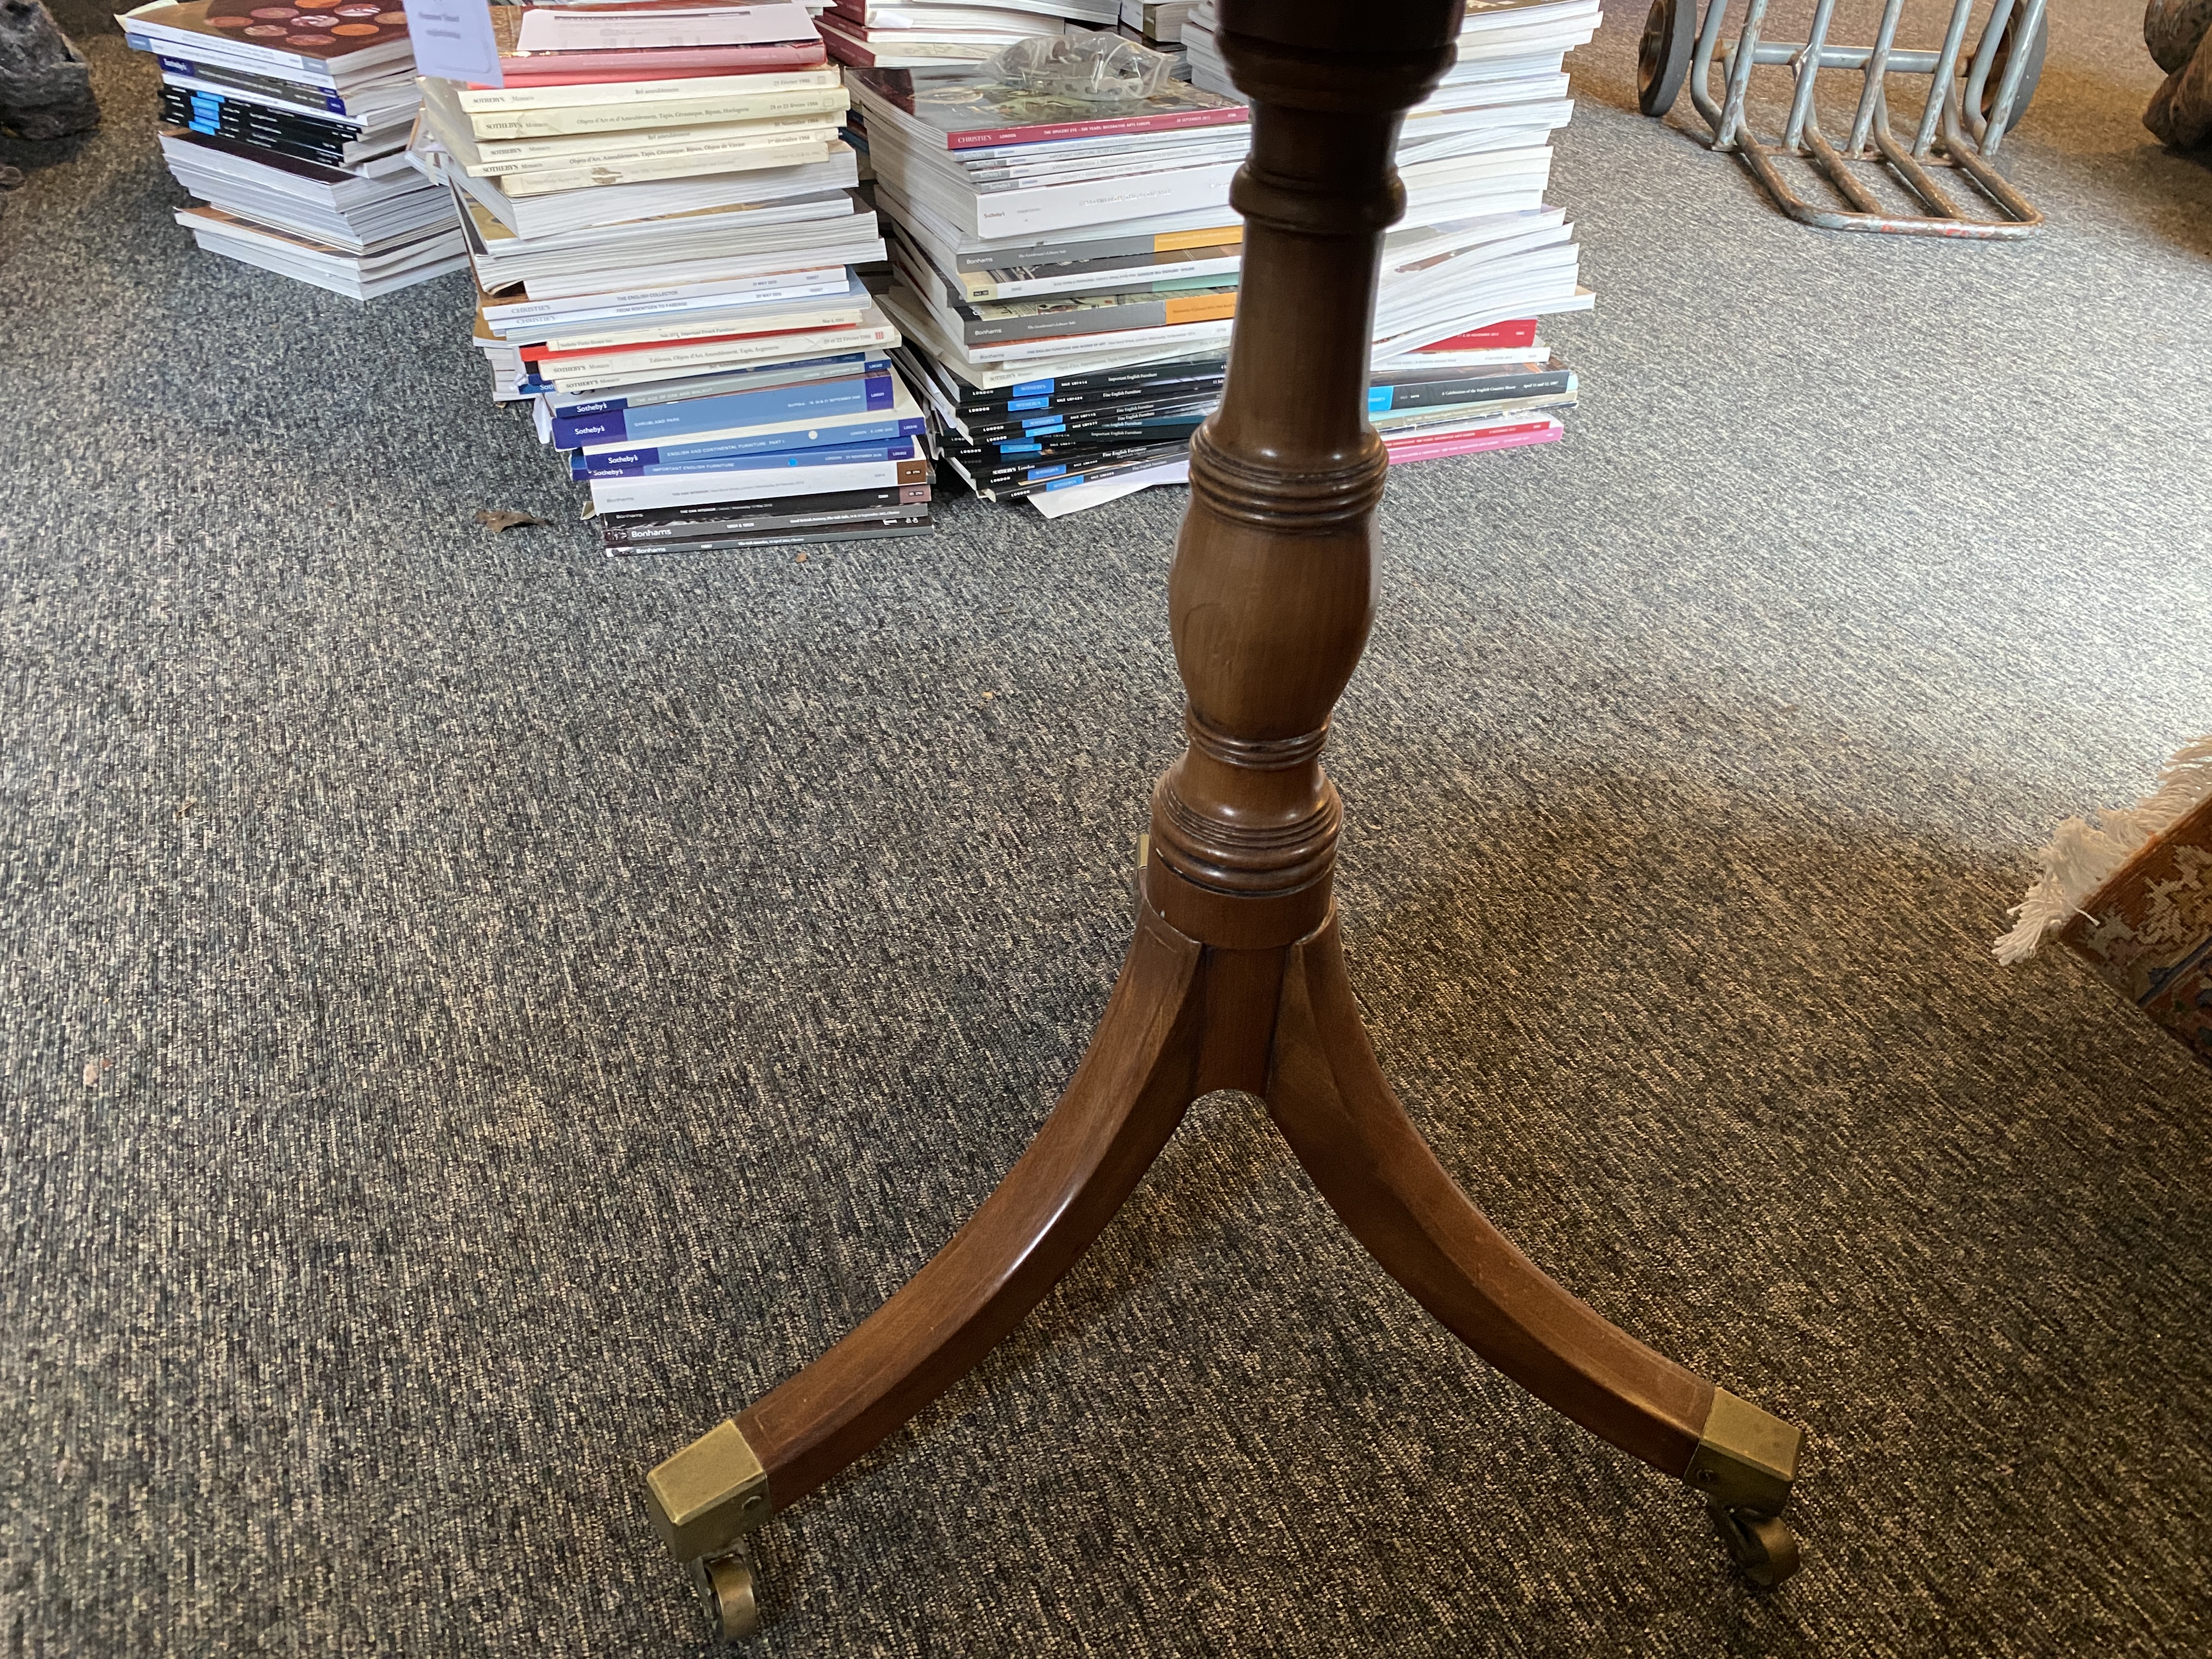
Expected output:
(473, 1013)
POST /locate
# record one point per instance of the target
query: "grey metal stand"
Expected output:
(1961, 128)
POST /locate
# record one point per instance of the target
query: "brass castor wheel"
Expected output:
(726, 1587)
(1764, 1548)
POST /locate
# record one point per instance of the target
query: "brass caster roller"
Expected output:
(705, 1499)
(1745, 1465)
(1764, 1548)
(725, 1584)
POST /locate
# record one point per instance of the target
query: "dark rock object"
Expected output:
(2173, 28)
(45, 86)
(2179, 35)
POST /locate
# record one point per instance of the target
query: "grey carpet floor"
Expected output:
(473, 1013)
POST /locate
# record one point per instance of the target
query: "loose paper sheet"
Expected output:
(1077, 498)
(454, 40)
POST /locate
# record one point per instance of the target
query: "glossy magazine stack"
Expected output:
(1064, 269)
(1067, 270)
(290, 122)
(663, 222)
(1480, 257)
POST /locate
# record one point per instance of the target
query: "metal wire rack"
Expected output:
(1972, 101)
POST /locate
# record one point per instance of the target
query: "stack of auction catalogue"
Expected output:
(1480, 256)
(663, 221)
(1068, 265)
(290, 124)
(934, 34)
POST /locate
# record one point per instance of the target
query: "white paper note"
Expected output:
(454, 40)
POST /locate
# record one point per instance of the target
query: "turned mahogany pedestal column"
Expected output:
(1235, 978)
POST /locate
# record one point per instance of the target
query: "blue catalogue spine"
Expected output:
(850, 394)
(716, 454)
(635, 464)
(572, 407)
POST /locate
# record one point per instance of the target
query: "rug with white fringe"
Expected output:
(2129, 895)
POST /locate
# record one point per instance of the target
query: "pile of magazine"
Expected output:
(940, 34)
(289, 123)
(1458, 364)
(1066, 269)
(1067, 265)
(663, 220)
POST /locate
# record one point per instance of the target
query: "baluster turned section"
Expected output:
(1274, 580)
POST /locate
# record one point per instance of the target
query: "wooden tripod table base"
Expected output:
(1187, 1018)
(1235, 978)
